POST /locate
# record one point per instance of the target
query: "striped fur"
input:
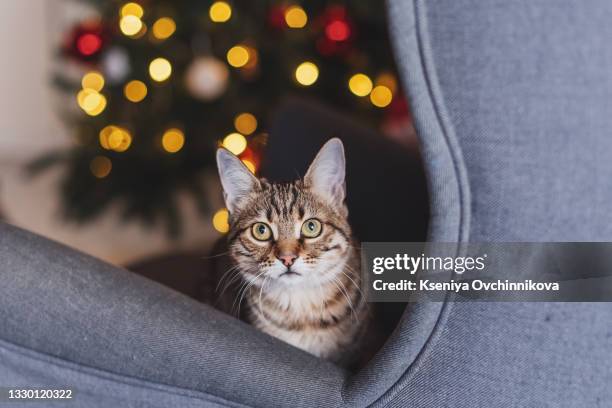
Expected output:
(319, 307)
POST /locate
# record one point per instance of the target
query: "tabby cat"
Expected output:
(292, 246)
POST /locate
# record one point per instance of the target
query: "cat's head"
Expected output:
(288, 233)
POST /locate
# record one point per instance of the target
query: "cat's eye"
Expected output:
(312, 228)
(261, 231)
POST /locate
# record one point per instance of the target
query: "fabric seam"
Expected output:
(429, 76)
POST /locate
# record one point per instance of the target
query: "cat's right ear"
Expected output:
(236, 179)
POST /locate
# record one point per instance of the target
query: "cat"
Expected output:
(292, 246)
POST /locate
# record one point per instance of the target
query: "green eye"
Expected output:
(312, 228)
(261, 231)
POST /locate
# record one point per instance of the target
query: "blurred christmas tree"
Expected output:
(165, 82)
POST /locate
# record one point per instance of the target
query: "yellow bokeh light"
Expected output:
(381, 96)
(130, 25)
(104, 135)
(135, 91)
(160, 69)
(164, 28)
(388, 80)
(235, 143)
(296, 17)
(306, 73)
(220, 12)
(115, 138)
(220, 221)
(245, 123)
(173, 140)
(83, 93)
(119, 140)
(91, 101)
(249, 165)
(100, 166)
(99, 108)
(93, 80)
(131, 9)
(360, 84)
(238, 56)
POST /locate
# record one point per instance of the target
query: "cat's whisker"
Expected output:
(215, 255)
(340, 287)
(261, 310)
(247, 287)
(236, 276)
(351, 279)
(322, 304)
(225, 275)
(243, 285)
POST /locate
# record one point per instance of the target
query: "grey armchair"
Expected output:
(513, 103)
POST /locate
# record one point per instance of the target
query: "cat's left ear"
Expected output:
(326, 174)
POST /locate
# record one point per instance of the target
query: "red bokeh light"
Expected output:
(276, 17)
(337, 30)
(89, 44)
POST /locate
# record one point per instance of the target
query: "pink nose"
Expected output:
(287, 260)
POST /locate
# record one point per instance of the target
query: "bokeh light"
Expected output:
(93, 80)
(296, 17)
(249, 165)
(307, 73)
(160, 69)
(381, 96)
(245, 123)
(164, 28)
(238, 56)
(131, 9)
(100, 166)
(220, 12)
(83, 93)
(235, 143)
(388, 80)
(337, 30)
(135, 91)
(220, 221)
(103, 136)
(115, 138)
(130, 25)
(360, 84)
(89, 44)
(91, 101)
(173, 140)
(119, 140)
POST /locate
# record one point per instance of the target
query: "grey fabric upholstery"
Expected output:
(512, 104)
(64, 304)
(519, 95)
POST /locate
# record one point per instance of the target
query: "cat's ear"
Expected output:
(325, 176)
(236, 179)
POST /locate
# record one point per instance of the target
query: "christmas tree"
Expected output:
(164, 83)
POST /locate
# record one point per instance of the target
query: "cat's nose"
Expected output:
(287, 259)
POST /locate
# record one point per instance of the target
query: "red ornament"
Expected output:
(337, 30)
(85, 41)
(89, 44)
